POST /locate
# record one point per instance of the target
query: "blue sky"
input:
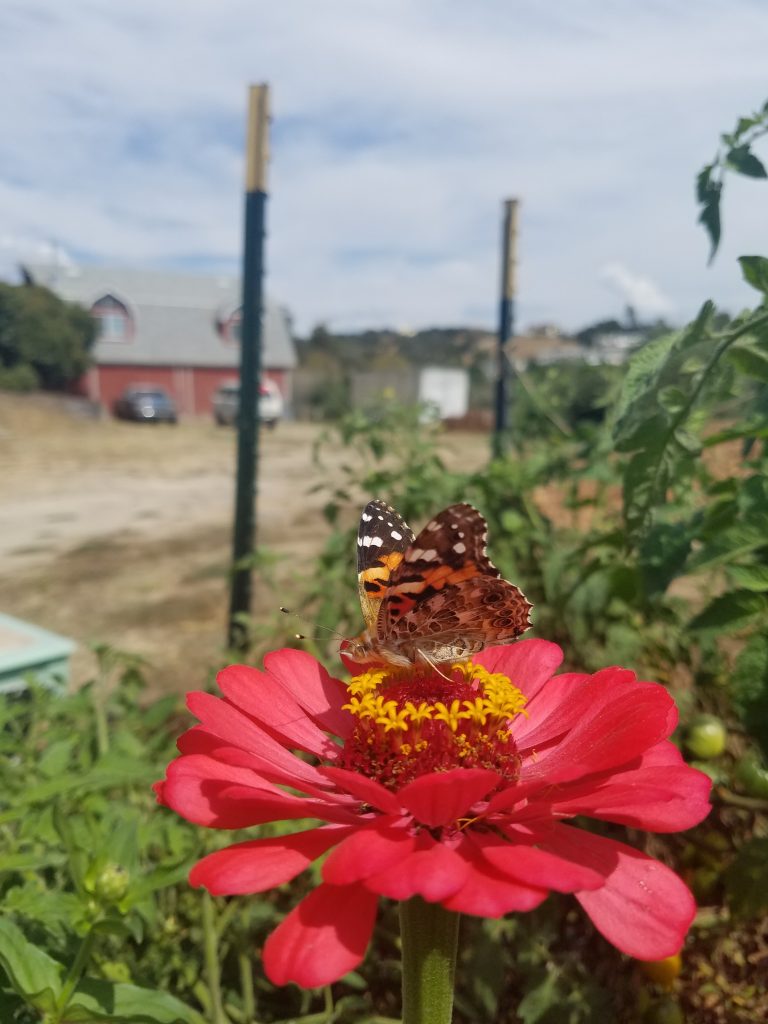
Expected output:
(399, 127)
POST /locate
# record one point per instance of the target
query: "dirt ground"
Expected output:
(120, 533)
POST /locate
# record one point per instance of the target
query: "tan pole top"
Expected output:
(509, 269)
(257, 142)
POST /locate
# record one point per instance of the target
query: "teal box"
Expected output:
(26, 651)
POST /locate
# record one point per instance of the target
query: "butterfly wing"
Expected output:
(445, 598)
(460, 620)
(383, 537)
(449, 549)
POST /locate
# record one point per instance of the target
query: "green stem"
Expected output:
(429, 936)
(100, 716)
(74, 974)
(211, 958)
(246, 986)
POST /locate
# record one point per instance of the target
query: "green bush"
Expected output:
(21, 377)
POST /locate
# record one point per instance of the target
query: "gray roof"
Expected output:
(175, 316)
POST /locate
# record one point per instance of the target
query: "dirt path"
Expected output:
(120, 533)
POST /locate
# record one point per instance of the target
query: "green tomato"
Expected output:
(753, 778)
(706, 737)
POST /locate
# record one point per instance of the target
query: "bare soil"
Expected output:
(120, 533)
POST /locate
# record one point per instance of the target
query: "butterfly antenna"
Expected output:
(304, 636)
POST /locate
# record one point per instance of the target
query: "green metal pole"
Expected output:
(506, 325)
(244, 533)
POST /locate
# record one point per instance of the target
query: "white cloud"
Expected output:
(636, 290)
(398, 129)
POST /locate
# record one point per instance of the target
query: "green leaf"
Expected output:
(687, 441)
(708, 193)
(754, 270)
(750, 577)
(750, 361)
(728, 545)
(55, 759)
(731, 611)
(31, 972)
(663, 553)
(32, 861)
(746, 880)
(704, 183)
(96, 1000)
(54, 910)
(545, 995)
(743, 160)
(750, 687)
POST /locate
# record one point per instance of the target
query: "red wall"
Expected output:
(192, 388)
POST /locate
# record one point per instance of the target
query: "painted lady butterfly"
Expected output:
(433, 598)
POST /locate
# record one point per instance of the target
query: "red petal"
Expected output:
(322, 938)
(524, 863)
(218, 795)
(443, 797)
(367, 851)
(360, 786)
(487, 893)
(566, 700)
(239, 730)
(434, 872)
(262, 863)
(664, 753)
(528, 663)
(549, 714)
(267, 701)
(644, 909)
(311, 686)
(663, 799)
(611, 730)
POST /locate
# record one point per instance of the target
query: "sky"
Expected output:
(399, 126)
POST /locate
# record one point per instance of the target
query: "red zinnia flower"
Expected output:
(453, 789)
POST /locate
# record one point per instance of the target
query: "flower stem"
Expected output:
(245, 964)
(211, 958)
(429, 936)
(74, 974)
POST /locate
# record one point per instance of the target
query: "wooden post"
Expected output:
(244, 533)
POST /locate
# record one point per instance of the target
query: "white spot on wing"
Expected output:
(459, 548)
(366, 518)
(396, 535)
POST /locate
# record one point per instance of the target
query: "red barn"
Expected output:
(180, 332)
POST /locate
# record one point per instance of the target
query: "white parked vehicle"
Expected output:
(226, 403)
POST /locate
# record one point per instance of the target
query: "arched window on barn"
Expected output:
(113, 319)
(231, 326)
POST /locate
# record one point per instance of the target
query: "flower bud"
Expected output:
(111, 883)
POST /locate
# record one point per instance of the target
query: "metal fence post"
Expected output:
(244, 533)
(506, 324)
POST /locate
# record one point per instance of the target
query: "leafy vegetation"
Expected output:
(44, 341)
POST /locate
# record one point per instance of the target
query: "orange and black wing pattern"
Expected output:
(383, 538)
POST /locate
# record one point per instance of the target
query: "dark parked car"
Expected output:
(146, 402)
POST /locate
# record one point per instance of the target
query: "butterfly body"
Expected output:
(432, 598)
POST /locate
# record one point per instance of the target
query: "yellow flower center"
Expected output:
(412, 724)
